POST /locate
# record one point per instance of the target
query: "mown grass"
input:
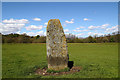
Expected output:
(98, 60)
(57, 71)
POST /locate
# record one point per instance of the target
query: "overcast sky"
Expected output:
(81, 19)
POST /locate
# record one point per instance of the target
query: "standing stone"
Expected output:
(57, 53)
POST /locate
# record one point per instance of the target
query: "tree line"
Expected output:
(114, 37)
(24, 38)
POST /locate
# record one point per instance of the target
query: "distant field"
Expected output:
(98, 60)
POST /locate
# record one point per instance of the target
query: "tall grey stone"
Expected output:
(57, 53)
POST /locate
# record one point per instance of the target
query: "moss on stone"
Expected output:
(56, 39)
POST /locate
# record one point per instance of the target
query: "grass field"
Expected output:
(98, 60)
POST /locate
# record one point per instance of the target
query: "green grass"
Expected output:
(57, 71)
(98, 60)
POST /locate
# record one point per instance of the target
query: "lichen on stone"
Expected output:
(56, 45)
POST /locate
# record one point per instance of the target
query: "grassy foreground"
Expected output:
(98, 60)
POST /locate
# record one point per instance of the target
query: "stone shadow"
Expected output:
(70, 64)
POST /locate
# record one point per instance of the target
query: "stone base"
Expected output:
(56, 68)
(57, 63)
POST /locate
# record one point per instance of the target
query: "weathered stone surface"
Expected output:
(57, 53)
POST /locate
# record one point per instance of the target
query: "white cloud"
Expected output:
(64, 25)
(41, 33)
(66, 30)
(112, 29)
(45, 26)
(80, 34)
(44, 33)
(80, 27)
(80, 30)
(37, 19)
(67, 34)
(93, 27)
(93, 33)
(86, 19)
(33, 27)
(104, 26)
(18, 32)
(90, 33)
(72, 21)
(10, 28)
(77, 28)
(85, 30)
(12, 25)
(31, 33)
(15, 21)
(46, 23)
